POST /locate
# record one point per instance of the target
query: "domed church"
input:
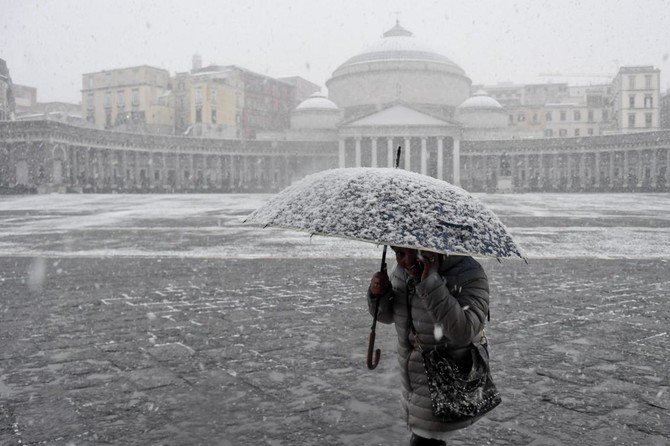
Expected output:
(398, 91)
(398, 68)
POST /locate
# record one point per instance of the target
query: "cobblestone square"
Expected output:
(240, 352)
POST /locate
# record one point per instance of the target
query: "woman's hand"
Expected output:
(430, 262)
(379, 284)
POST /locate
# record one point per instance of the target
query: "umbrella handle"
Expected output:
(372, 364)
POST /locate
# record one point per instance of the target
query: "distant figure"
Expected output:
(448, 300)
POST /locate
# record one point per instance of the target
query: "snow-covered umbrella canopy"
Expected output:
(389, 207)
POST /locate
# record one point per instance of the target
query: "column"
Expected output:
(191, 166)
(597, 169)
(440, 159)
(654, 168)
(374, 152)
(667, 167)
(611, 166)
(424, 157)
(390, 153)
(164, 171)
(457, 162)
(138, 167)
(74, 161)
(526, 165)
(541, 173)
(342, 153)
(218, 176)
(626, 168)
(358, 151)
(582, 170)
(640, 169)
(100, 154)
(407, 149)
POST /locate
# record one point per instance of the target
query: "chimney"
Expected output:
(197, 62)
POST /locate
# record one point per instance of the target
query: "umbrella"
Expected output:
(389, 207)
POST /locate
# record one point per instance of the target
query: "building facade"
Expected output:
(7, 103)
(665, 110)
(636, 99)
(396, 92)
(130, 99)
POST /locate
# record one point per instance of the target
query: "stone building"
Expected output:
(395, 92)
(636, 99)
(129, 99)
(7, 104)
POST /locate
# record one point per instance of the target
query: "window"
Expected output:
(631, 120)
(647, 120)
(90, 101)
(198, 96)
(631, 82)
(578, 115)
(631, 101)
(577, 132)
(590, 116)
(213, 116)
(606, 115)
(136, 96)
(120, 99)
(212, 97)
(108, 99)
(534, 117)
(108, 119)
(590, 131)
(562, 133)
(647, 81)
(548, 116)
(521, 117)
(648, 101)
(511, 119)
(548, 132)
(198, 114)
(563, 116)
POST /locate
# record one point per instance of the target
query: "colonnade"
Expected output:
(435, 156)
(106, 169)
(595, 170)
(58, 157)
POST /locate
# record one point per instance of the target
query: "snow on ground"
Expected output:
(211, 226)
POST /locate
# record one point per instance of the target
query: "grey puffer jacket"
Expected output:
(455, 300)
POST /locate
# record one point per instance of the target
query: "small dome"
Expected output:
(317, 101)
(480, 101)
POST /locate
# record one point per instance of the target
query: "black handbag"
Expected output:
(460, 389)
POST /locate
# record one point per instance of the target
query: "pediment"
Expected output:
(398, 116)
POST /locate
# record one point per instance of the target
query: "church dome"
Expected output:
(317, 101)
(481, 111)
(397, 44)
(480, 101)
(398, 68)
(315, 112)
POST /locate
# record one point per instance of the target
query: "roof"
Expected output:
(317, 101)
(397, 44)
(480, 101)
(398, 115)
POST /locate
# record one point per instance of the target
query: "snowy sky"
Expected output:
(49, 44)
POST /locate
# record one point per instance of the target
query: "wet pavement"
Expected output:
(130, 351)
